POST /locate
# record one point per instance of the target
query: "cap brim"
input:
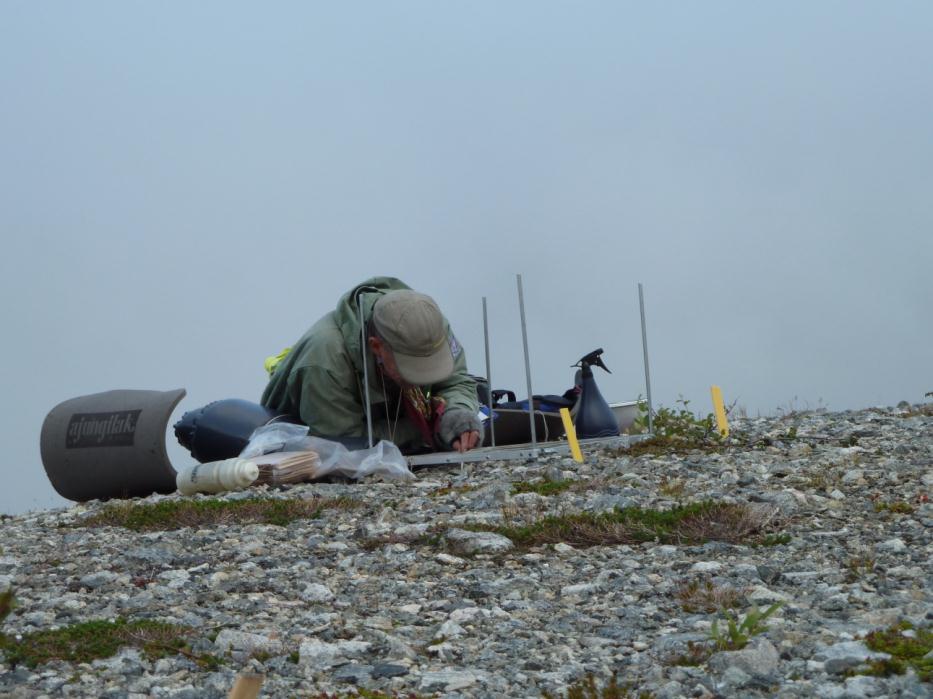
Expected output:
(425, 371)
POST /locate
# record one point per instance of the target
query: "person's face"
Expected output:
(386, 360)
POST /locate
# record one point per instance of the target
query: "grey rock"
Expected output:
(241, 644)
(98, 579)
(852, 651)
(388, 670)
(447, 680)
(353, 674)
(895, 546)
(759, 659)
(470, 542)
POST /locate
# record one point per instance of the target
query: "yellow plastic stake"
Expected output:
(720, 409)
(571, 435)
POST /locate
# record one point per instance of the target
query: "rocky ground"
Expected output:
(395, 595)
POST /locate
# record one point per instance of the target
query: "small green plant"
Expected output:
(294, 657)
(911, 650)
(542, 487)
(772, 540)
(676, 429)
(587, 688)
(737, 632)
(177, 514)
(84, 642)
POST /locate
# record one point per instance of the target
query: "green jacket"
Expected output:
(321, 379)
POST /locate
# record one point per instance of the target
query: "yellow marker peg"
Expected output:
(720, 410)
(571, 435)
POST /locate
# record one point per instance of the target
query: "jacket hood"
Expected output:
(347, 314)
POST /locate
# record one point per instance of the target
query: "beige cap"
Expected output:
(414, 328)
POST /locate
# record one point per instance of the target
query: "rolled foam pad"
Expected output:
(110, 445)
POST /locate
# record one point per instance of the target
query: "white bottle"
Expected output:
(217, 476)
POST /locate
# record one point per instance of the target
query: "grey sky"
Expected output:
(185, 187)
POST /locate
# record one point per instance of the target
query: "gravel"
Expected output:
(399, 595)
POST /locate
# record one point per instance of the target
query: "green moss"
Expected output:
(772, 540)
(81, 643)
(587, 688)
(904, 650)
(542, 487)
(177, 514)
(694, 523)
(899, 507)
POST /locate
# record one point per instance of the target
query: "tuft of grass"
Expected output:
(87, 641)
(363, 693)
(695, 655)
(738, 633)
(859, 566)
(587, 688)
(542, 487)
(6, 603)
(899, 507)
(178, 514)
(704, 596)
(672, 488)
(450, 488)
(905, 651)
(772, 540)
(694, 523)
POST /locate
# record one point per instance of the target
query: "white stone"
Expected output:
(893, 546)
(246, 643)
(315, 592)
(466, 613)
(174, 578)
(580, 590)
(447, 680)
(469, 542)
(447, 559)
(450, 629)
(318, 655)
(706, 567)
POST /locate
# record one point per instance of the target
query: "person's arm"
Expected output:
(460, 428)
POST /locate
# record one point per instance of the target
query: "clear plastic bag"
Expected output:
(384, 459)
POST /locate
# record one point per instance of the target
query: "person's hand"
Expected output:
(466, 441)
(460, 429)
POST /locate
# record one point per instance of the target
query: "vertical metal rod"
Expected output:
(644, 344)
(492, 422)
(363, 348)
(531, 408)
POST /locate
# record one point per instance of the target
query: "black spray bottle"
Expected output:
(594, 417)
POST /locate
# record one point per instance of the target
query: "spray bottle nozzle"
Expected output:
(592, 359)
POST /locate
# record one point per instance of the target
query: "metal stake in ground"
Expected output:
(492, 422)
(531, 406)
(369, 413)
(644, 344)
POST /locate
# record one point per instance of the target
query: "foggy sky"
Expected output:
(186, 187)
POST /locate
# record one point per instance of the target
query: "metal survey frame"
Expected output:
(534, 450)
(520, 451)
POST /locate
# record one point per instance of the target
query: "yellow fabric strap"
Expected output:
(272, 362)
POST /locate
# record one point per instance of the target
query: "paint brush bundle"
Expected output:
(287, 467)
